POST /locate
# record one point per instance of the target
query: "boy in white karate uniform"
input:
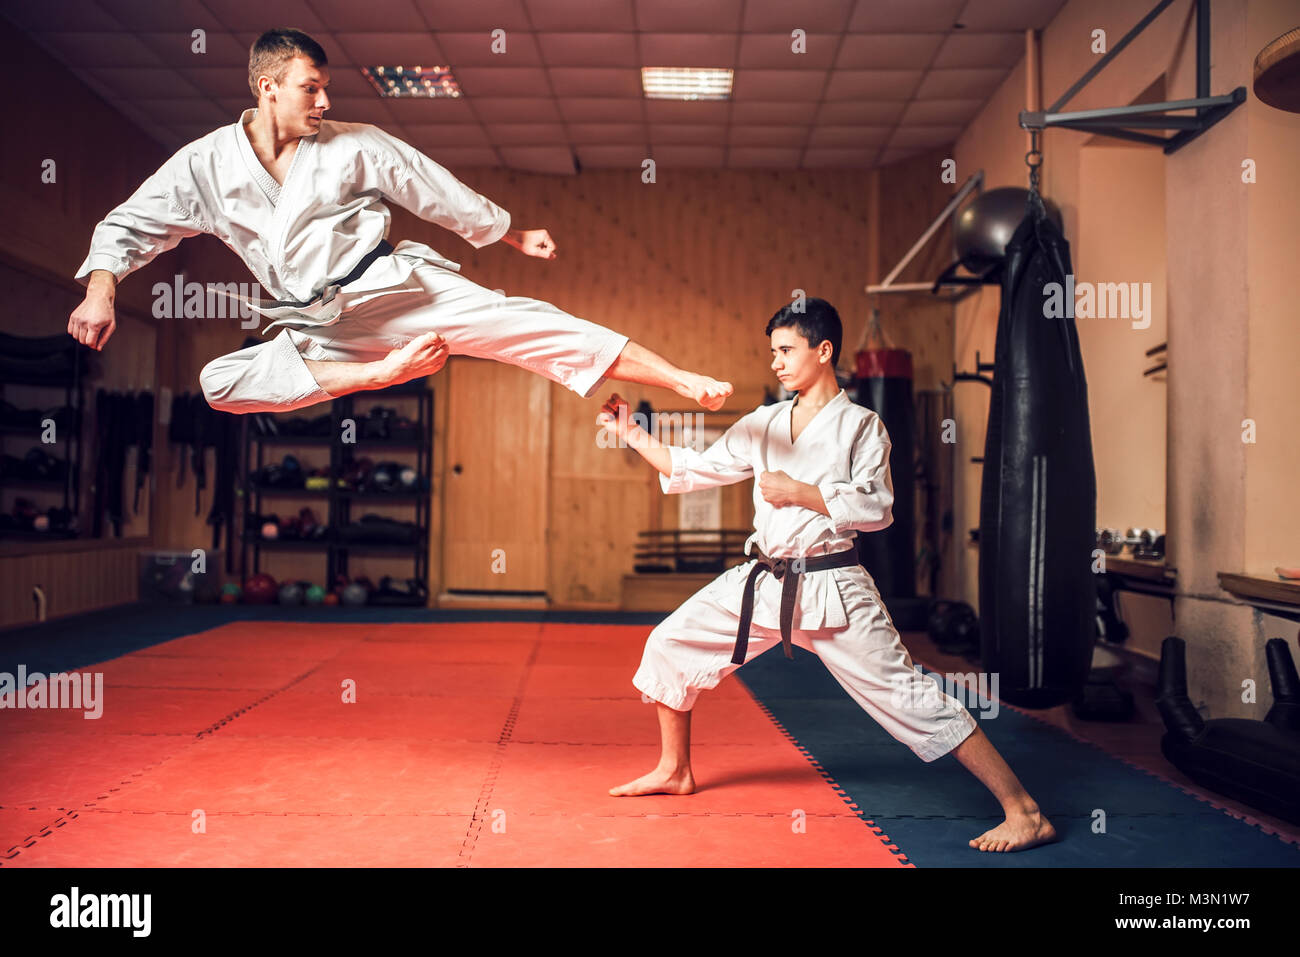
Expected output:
(822, 467)
(301, 200)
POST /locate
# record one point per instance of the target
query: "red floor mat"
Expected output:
(479, 744)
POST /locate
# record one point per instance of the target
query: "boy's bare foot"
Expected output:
(1019, 832)
(658, 781)
(709, 393)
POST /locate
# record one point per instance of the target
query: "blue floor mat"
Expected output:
(930, 810)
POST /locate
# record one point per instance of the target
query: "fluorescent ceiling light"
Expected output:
(429, 81)
(685, 83)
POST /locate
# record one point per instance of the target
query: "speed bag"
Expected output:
(1038, 497)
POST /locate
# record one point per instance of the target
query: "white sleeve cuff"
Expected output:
(677, 481)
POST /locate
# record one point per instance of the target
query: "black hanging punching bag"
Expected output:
(1039, 494)
(884, 385)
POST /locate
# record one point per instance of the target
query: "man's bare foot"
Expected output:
(709, 393)
(1019, 832)
(658, 782)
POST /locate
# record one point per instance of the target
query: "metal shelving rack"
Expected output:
(339, 502)
(74, 397)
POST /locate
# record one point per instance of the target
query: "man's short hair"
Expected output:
(818, 322)
(272, 52)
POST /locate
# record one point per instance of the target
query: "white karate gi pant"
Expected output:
(475, 321)
(690, 651)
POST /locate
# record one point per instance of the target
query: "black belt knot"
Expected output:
(786, 571)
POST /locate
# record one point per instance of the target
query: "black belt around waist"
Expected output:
(787, 571)
(383, 249)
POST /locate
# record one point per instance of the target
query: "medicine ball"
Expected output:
(356, 594)
(260, 589)
(986, 225)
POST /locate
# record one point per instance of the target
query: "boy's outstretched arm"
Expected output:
(682, 468)
(615, 416)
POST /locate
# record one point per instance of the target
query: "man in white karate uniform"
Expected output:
(822, 468)
(301, 200)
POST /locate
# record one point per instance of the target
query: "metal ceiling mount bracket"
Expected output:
(1121, 121)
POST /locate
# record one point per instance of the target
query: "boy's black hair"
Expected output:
(274, 49)
(818, 322)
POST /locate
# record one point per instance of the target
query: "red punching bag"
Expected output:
(884, 385)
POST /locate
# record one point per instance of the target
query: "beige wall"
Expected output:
(1229, 250)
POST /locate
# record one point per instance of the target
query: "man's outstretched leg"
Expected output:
(1025, 826)
(636, 363)
(672, 775)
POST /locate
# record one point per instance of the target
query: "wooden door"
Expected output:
(496, 478)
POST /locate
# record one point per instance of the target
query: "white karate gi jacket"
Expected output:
(844, 451)
(297, 239)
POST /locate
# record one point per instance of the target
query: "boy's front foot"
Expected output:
(709, 393)
(658, 781)
(1019, 832)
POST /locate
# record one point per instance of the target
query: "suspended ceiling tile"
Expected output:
(941, 112)
(844, 137)
(774, 51)
(627, 156)
(75, 16)
(688, 16)
(782, 16)
(189, 111)
(92, 50)
(840, 158)
(960, 84)
(866, 112)
(588, 49)
(539, 159)
(464, 157)
(441, 135)
(687, 135)
(887, 51)
(766, 156)
(527, 134)
(895, 155)
(687, 111)
(689, 157)
(515, 110)
(480, 16)
(221, 82)
(480, 49)
(588, 81)
(905, 16)
(141, 83)
(963, 50)
(786, 136)
(802, 85)
(357, 109)
(760, 111)
(397, 16)
(713, 50)
(923, 136)
(256, 16)
(611, 133)
(414, 110)
(478, 82)
(598, 109)
(417, 48)
(985, 15)
(873, 84)
(180, 15)
(559, 15)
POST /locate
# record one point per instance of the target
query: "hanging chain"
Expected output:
(1034, 159)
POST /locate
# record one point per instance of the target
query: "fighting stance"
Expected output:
(301, 200)
(822, 467)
